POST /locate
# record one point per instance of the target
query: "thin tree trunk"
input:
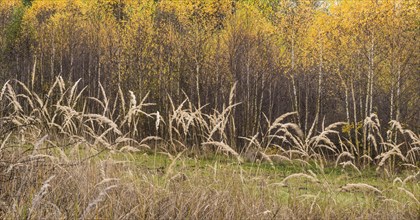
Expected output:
(33, 73)
(356, 138)
(318, 105)
(306, 105)
(372, 56)
(295, 106)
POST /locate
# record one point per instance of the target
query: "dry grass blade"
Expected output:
(232, 93)
(224, 147)
(129, 149)
(103, 119)
(3, 90)
(351, 187)
(3, 143)
(414, 178)
(335, 125)
(36, 201)
(396, 180)
(100, 198)
(394, 151)
(350, 164)
(13, 99)
(410, 194)
(265, 157)
(278, 120)
(150, 138)
(344, 154)
(72, 91)
(173, 162)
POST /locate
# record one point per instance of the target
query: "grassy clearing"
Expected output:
(114, 185)
(60, 160)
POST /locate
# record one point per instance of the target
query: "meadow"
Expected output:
(62, 160)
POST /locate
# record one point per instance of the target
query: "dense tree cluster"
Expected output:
(333, 60)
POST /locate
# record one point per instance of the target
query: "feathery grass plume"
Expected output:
(295, 128)
(396, 125)
(50, 91)
(78, 96)
(414, 178)
(350, 164)
(351, 187)
(414, 137)
(101, 138)
(135, 109)
(173, 162)
(352, 149)
(297, 176)
(224, 147)
(40, 195)
(3, 143)
(158, 120)
(265, 157)
(105, 98)
(413, 153)
(312, 173)
(122, 99)
(295, 141)
(312, 129)
(72, 91)
(133, 105)
(28, 100)
(40, 103)
(372, 128)
(98, 101)
(3, 89)
(409, 165)
(335, 125)
(252, 141)
(409, 194)
(278, 120)
(100, 198)
(394, 151)
(23, 86)
(103, 119)
(343, 154)
(232, 93)
(214, 130)
(150, 138)
(323, 138)
(396, 180)
(61, 84)
(107, 180)
(365, 156)
(13, 98)
(129, 149)
(133, 99)
(372, 139)
(124, 139)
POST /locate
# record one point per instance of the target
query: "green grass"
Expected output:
(148, 185)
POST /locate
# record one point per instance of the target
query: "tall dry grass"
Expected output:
(50, 168)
